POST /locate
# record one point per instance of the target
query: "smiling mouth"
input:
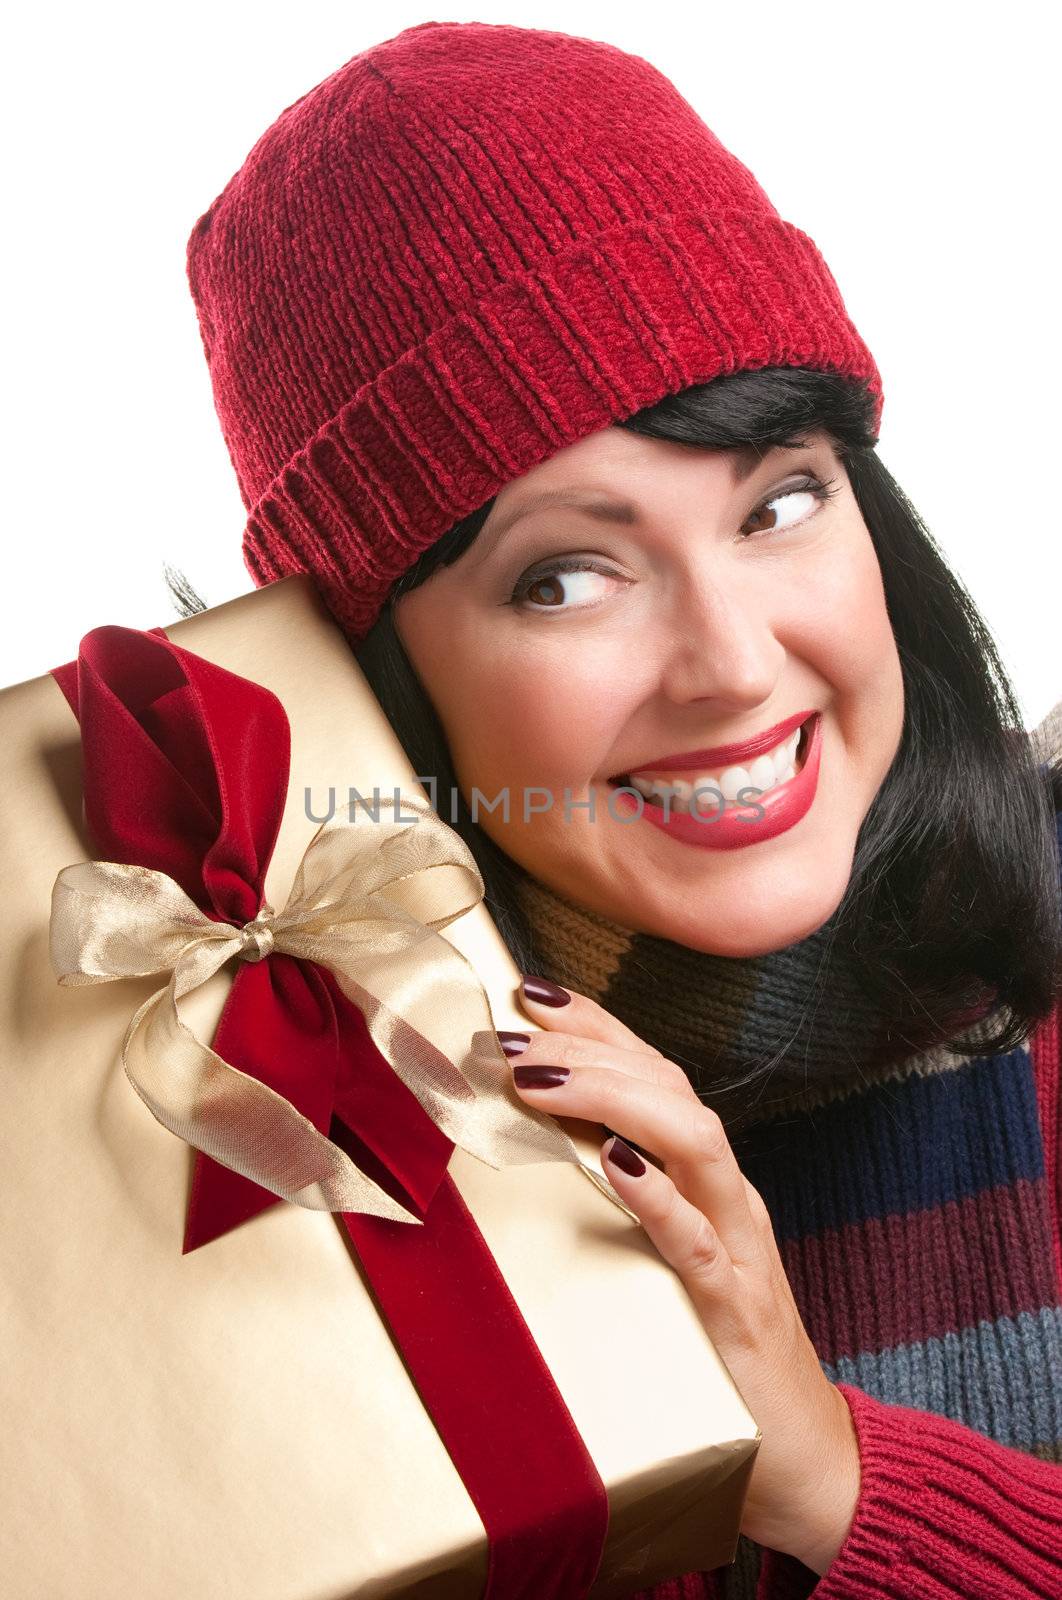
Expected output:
(710, 780)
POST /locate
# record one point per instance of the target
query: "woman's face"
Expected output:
(725, 597)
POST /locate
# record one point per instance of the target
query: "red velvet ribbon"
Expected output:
(186, 771)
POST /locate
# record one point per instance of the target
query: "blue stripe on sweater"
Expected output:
(1000, 1377)
(899, 1146)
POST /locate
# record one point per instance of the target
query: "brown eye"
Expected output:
(766, 513)
(544, 591)
(549, 587)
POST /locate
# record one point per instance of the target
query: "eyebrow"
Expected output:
(595, 503)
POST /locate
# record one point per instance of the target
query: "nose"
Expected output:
(723, 647)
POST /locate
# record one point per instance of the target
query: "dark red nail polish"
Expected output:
(628, 1160)
(540, 1077)
(514, 1044)
(541, 989)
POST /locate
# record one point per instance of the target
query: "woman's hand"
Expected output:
(713, 1228)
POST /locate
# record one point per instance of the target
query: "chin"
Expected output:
(756, 926)
(738, 947)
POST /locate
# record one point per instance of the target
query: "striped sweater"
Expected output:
(918, 1216)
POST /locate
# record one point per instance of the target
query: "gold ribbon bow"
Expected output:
(366, 903)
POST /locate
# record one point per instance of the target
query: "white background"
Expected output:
(916, 144)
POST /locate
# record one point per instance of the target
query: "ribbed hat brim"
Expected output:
(661, 304)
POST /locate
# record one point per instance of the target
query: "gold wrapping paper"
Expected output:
(238, 1421)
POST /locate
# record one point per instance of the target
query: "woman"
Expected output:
(813, 979)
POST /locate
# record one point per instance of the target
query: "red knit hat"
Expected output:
(466, 249)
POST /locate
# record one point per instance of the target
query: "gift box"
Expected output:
(300, 1301)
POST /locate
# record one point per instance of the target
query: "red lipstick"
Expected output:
(732, 827)
(722, 755)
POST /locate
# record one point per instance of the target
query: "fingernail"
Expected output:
(621, 1155)
(514, 1044)
(540, 1077)
(546, 993)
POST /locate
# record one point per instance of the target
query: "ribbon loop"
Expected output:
(367, 903)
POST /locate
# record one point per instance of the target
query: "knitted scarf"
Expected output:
(757, 1035)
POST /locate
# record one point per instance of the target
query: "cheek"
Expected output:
(546, 719)
(539, 712)
(854, 650)
(846, 618)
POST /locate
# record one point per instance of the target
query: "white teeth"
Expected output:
(766, 772)
(785, 755)
(643, 786)
(732, 780)
(763, 773)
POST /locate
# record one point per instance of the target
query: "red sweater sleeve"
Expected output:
(944, 1511)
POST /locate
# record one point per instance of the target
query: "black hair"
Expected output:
(952, 905)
